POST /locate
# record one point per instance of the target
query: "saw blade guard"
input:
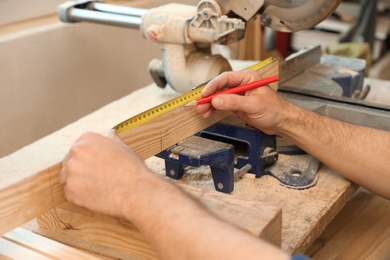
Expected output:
(296, 15)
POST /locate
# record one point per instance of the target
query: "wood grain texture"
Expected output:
(360, 231)
(22, 244)
(29, 198)
(111, 237)
(306, 213)
(163, 132)
(11, 250)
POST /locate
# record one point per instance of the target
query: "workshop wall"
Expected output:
(53, 74)
(17, 10)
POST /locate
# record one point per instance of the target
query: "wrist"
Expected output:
(137, 200)
(129, 196)
(294, 121)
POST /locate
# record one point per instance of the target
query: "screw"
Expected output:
(206, 13)
(265, 20)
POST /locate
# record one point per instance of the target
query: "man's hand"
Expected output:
(100, 172)
(261, 108)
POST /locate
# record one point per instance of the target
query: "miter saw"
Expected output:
(186, 33)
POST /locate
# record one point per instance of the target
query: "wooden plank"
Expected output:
(252, 46)
(25, 244)
(306, 213)
(110, 237)
(29, 181)
(163, 132)
(360, 231)
(9, 250)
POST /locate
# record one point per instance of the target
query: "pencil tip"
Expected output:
(191, 104)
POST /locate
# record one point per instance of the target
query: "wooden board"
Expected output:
(306, 213)
(110, 237)
(22, 244)
(360, 231)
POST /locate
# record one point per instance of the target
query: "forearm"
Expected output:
(104, 175)
(359, 153)
(178, 227)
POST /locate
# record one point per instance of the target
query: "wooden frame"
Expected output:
(29, 182)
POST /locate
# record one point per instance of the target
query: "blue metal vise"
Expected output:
(223, 146)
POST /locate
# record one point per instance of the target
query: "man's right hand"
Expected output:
(261, 108)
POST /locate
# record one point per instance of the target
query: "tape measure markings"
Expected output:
(174, 103)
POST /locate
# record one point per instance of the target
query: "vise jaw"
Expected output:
(224, 146)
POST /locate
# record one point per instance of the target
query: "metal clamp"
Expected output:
(197, 151)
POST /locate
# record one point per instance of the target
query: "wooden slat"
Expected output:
(27, 199)
(27, 245)
(163, 132)
(9, 250)
(113, 238)
(29, 181)
(360, 231)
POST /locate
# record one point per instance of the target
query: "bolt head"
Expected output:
(265, 20)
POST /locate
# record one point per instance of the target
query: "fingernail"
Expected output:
(218, 102)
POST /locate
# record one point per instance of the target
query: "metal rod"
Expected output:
(78, 15)
(116, 9)
(241, 172)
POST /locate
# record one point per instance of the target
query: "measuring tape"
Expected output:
(174, 103)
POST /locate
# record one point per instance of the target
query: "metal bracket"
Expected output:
(296, 171)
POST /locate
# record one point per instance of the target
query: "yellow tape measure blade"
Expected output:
(174, 103)
(158, 110)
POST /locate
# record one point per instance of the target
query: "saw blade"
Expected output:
(296, 15)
